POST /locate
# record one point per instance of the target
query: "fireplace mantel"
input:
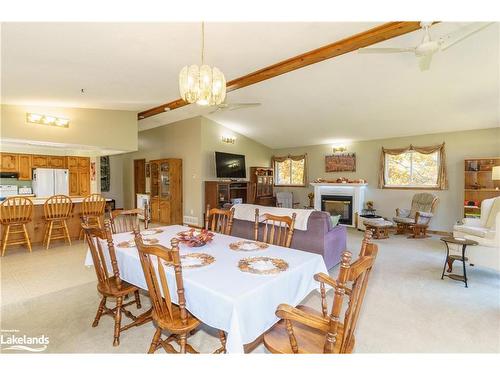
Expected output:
(356, 191)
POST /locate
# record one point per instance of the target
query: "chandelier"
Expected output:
(203, 85)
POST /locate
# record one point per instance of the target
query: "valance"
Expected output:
(442, 182)
(281, 159)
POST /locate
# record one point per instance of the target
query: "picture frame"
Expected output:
(344, 162)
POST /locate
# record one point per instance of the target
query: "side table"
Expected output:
(451, 258)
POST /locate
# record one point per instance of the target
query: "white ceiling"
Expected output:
(134, 66)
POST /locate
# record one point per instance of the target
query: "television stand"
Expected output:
(219, 194)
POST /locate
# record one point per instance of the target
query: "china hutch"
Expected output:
(166, 191)
(479, 184)
(262, 182)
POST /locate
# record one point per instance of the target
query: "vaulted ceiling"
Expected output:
(135, 66)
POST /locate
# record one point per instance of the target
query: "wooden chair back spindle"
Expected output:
(154, 259)
(278, 230)
(16, 210)
(219, 221)
(57, 207)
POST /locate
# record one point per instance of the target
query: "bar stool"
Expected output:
(93, 208)
(15, 213)
(57, 209)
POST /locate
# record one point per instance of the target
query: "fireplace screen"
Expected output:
(338, 205)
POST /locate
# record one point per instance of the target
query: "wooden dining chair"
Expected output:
(304, 330)
(219, 221)
(128, 220)
(109, 284)
(276, 230)
(57, 209)
(174, 318)
(15, 213)
(93, 207)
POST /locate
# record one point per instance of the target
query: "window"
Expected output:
(290, 170)
(412, 169)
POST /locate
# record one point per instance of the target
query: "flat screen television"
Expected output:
(230, 165)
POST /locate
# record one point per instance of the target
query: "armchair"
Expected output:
(416, 219)
(484, 230)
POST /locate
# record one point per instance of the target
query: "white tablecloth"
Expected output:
(220, 295)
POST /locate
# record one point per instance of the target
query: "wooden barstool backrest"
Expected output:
(95, 237)
(154, 259)
(58, 207)
(278, 230)
(16, 210)
(218, 220)
(93, 205)
(351, 281)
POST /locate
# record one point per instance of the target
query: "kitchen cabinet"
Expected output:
(79, 175)
(56, 161)
(166, 191)
(24, 167)
(39, 161)
(9, 163)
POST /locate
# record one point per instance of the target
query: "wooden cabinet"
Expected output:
(219, 194)
(9, 163)
(39, 161)
(25, 167)
(166, 191)
(479, 184)
(56, 161)
(79, 175)
(262, 182)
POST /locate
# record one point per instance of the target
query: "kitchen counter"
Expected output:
(40, 201)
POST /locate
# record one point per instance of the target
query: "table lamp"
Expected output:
(495, 174)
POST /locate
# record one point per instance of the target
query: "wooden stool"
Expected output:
(15, 213)
(419, 231)
(93, 208)
(57, 209)
(378, 227)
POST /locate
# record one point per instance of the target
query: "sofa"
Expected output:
(486, 232)
(319, 238)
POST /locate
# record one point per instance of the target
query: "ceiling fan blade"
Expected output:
(385, 50)
(425, 62)
(451, 39)
(234, 106)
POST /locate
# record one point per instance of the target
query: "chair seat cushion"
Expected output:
(404, 220)
(309, 340)
(475, 231)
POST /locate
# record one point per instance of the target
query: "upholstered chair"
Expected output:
(418, 217)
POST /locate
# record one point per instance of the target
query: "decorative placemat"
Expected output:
(262, 265)
(131, 243)
(151, 232)
(248, 246)
(194, 260)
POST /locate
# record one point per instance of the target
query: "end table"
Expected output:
(451, 258)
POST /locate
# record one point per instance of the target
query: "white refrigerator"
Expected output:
(48, 182)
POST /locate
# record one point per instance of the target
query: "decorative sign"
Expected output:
(340, 162)
(105, 173)
(92, 171)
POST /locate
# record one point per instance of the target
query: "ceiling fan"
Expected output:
(428, 47)
(233, 106)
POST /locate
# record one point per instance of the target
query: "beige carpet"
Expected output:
(408, 308)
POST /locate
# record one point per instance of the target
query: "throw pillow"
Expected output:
(335, 220)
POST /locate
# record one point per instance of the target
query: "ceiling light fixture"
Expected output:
(228, 139)
(35, 118)
(203, 85)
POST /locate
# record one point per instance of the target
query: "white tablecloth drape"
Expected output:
(220, 295)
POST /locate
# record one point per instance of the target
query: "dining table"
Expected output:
(221, 294)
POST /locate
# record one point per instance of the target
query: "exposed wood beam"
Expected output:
(366, 38)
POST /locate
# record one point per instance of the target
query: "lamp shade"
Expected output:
(495, 173)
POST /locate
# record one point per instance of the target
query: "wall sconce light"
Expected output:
(338, 149)
(228, 139)
(35, 118)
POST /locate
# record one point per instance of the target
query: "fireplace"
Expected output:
(338, 205)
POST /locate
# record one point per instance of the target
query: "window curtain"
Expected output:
(442, 181)
(281, 159)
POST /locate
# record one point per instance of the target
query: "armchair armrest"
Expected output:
(471, 222)
(288, 312)
(425, 214)
(402, 212)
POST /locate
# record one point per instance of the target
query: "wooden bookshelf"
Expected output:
(478, 184)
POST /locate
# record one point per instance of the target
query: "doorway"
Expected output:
(139, 178)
